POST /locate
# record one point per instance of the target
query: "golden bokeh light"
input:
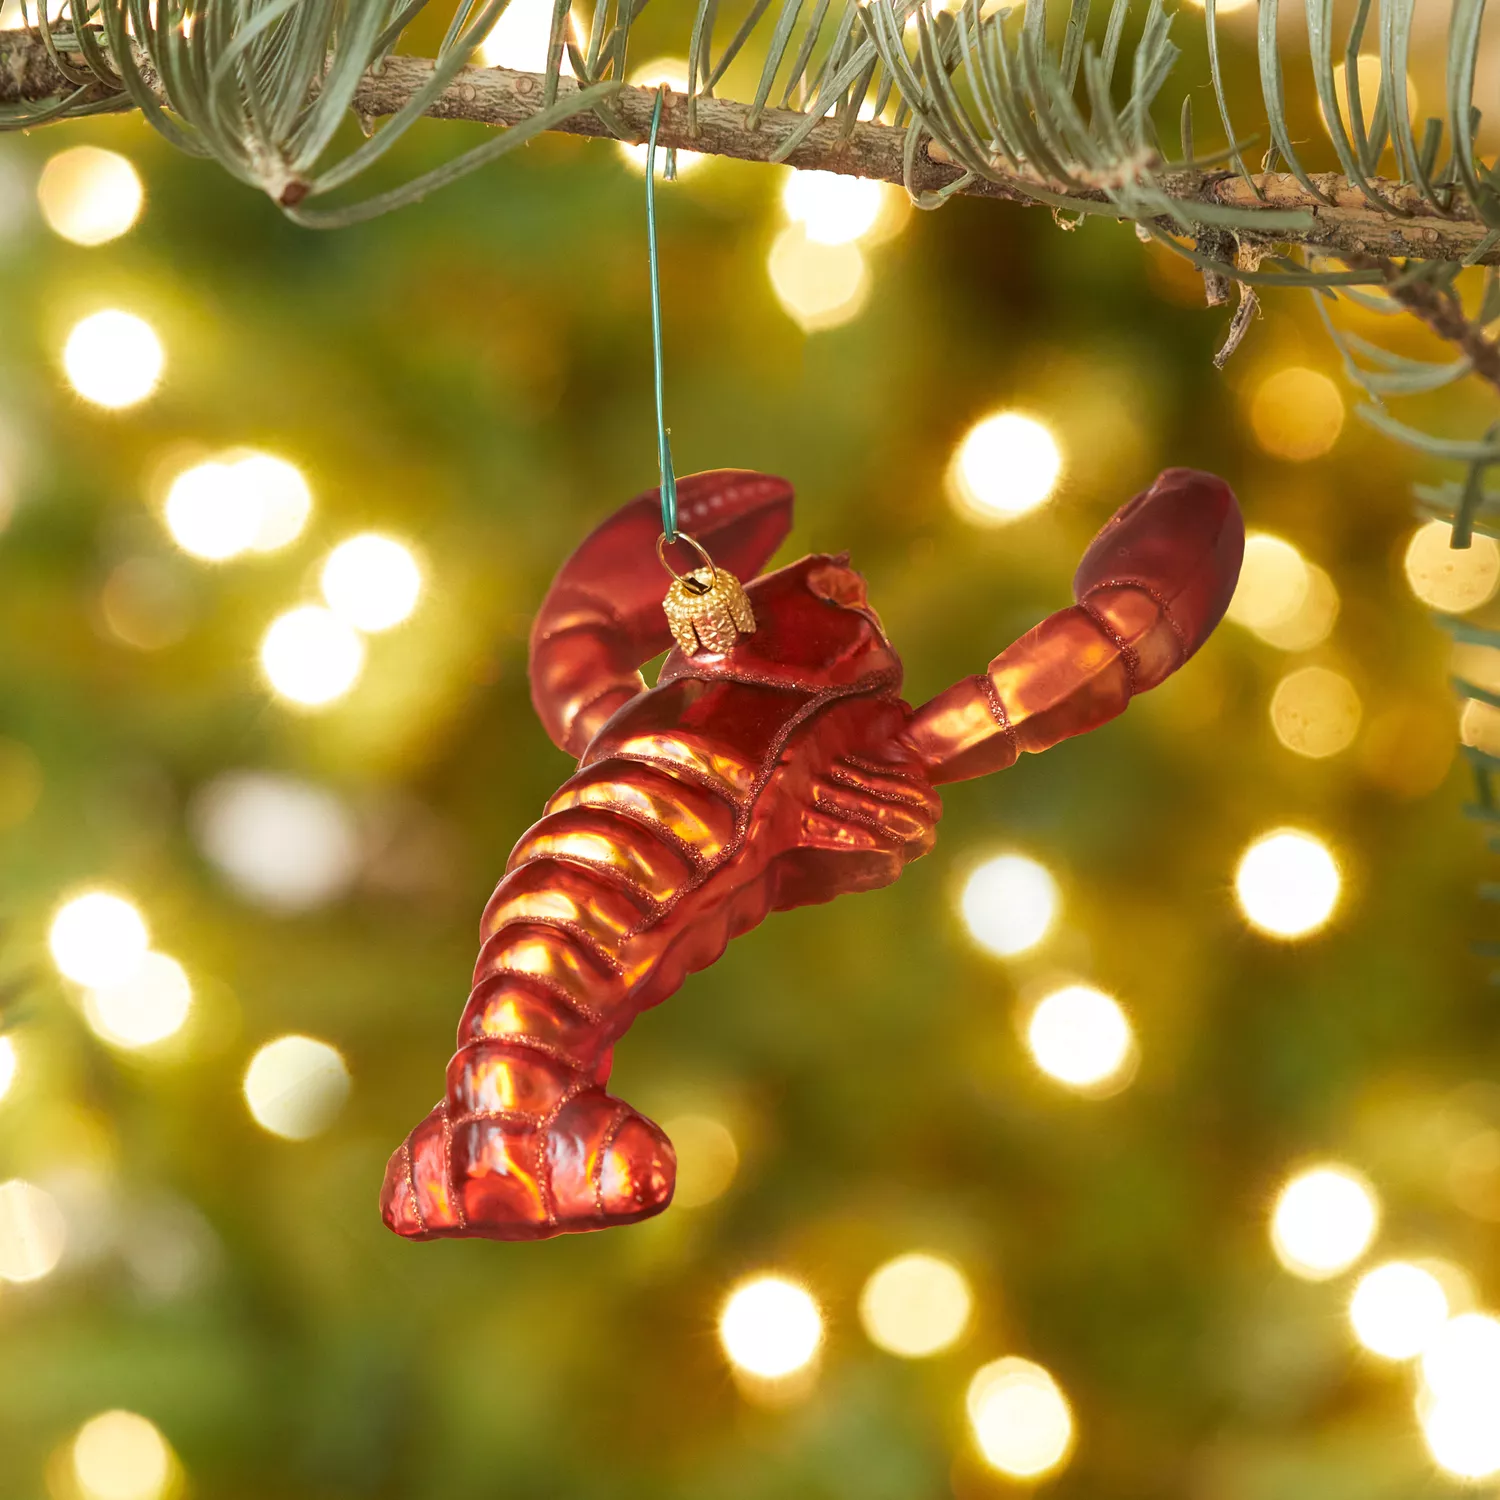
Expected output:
(1081, 1037)
(98, 939)
(673, 72)
(833, 209)
(1312, 621)
(311, 657)
(818, 286)
(1398, 1309)
(1224, 7)
(1315, 712)
(1274, 584)
(121, 1456)
(33, 1233)
(1452, 580)
(707, 1159)
(242, 501)
(1288, 883)
(1006, 465)
(916, 1305)
(1479, 726)
(1408, 747)
(1020, 1418)
(1369, 74)
(1297, 414)
(113, 358)
(1009, 904)
(770, 1327)
(88, 195)
(147, 1007)
(296, 1086)
(9, 1062)
(1324, 1220)
(372, 582)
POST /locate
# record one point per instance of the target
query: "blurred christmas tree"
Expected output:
(1186, 1181)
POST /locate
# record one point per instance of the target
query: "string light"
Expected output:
(770, 1327)
(98, 939)
(1315, 712)
(281, 842)
(916, 1305)
(113, 358)
(8, 1065)
(33, 1234)
(1453, 580)
(833, 209)
(1273, 586)
(1006, 465)
(371, 582)
(121, 1456)
(1020, 1418)
(147, 1007)
(819, 286)
(707, 1159)
(1397, 1309)
(672, 72)
(1297, 414)
(311, 656)
(1287, 883)
(296, 1086)
(88, 195)
(1009, 904)
(1324, 1220)
(242, 501)
(1081, 1037)
(1312, 622)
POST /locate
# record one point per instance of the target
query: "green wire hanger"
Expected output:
(663, 446)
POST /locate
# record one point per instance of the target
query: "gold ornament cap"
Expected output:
(707, 609)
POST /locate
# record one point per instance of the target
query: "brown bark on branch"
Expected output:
(502, 96)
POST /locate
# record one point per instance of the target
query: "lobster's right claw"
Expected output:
(1150, 589)
(602, 617)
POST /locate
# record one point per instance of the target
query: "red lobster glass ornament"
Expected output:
(781, 771)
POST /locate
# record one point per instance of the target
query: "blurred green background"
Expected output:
(472, 376)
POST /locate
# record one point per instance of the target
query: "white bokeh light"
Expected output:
(916, 1305)
(296, 1086)
(119, 1455)
(1273, 585)
(1463, 1434)
(1009, 904)
(521, 36)
(311, 656)
(372, 582)
(1324, 1220)
(281, 842)
(113, 358)
(1020, 1418)
(97, 939)
(1462, 1359)
(1288, 883)
(8, 1065)
(770, 1327)
(833, 209)
(1081, 1037)
(818, 285)
(33, 1233)
(242, 501)
(88, 195)
(1006, 465)
(1397, 1310)
(147, 1007)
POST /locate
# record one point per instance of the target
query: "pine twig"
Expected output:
(1440, 309)
(1344, 225)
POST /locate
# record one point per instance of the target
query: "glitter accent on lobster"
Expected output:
(783, 771)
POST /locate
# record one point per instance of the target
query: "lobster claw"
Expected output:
(1150, 589)
(602, 617)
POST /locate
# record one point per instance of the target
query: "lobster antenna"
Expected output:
(663, 445)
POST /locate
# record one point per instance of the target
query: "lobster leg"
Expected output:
(1149, 590)
(602, 618)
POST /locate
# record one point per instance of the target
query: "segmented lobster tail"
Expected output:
(526, 1143)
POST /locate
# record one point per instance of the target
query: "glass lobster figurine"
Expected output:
(781, 769)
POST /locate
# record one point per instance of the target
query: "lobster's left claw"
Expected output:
(1150, 589)
(602, 617)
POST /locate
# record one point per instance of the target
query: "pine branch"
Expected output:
(1440, 309)
(1345, 225)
